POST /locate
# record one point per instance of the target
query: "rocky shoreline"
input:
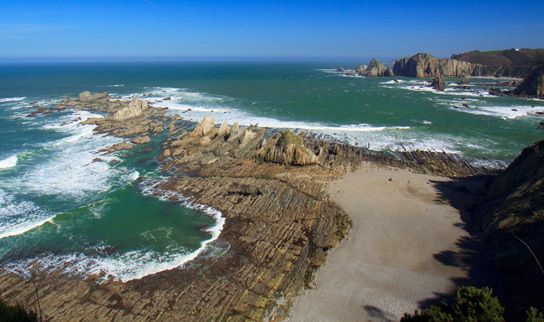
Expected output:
(270, 185)
(423, 65)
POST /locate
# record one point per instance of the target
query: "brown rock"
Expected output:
(438, 83)
(141, 140)
(135, 108)
(288, 149)
(205, 127)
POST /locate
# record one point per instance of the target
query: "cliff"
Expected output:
(533, 83)
(510, 62)
(425, 65)
(510, 215)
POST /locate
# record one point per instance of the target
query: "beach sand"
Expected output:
(386, 266)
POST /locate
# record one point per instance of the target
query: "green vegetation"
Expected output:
(472, 304)
(533, 315)
(17, 314)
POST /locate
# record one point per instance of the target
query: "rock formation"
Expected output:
(533, 83)
(288, 149)
(141, 140)
(424, 65)
(204, 128)
(374, 69)
(224, 130)
(438, 83)
(87, 96)
(135, 108)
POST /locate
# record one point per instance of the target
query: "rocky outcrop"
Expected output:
(533, 83)
(288, 149)
(118, 147)
(438, 83)
(373, 69)
(87, 96)
(424, 65)
(135, 108)
(205, 128)
(141, 140)
(224, 130)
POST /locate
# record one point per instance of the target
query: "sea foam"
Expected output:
(8, 162)
(132, 264)
(19, 217)
(11, 99)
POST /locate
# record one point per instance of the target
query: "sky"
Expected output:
(274, 29)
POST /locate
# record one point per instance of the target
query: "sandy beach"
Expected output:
(386, 265)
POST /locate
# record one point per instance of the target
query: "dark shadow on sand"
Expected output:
(472, 257)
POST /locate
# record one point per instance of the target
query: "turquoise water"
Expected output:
(62, 210)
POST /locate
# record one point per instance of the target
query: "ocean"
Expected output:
(62, 210)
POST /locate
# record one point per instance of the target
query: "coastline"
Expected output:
(279, 220)
(387, 265)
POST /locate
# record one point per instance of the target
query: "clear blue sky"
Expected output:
(297, 29)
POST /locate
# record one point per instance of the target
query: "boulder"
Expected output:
(135, 108)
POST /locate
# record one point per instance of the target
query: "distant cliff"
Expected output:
(510, 62)
(425, 65)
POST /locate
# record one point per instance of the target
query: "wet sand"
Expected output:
(386, 266)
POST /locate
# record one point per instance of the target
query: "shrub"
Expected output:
(533, 315)
(15, 314)
(472, 304)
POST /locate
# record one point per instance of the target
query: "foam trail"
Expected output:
(11, 99)
(9, 162)
(19, 217)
